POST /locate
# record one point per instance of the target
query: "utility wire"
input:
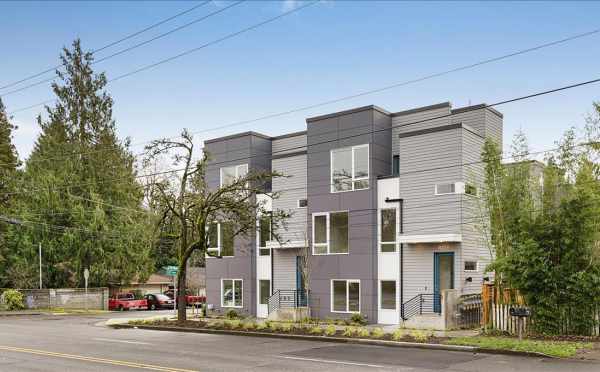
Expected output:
(110, 44)
(189, 51)
(134, 46)
(302, 147)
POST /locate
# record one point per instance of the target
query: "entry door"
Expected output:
(443, 276)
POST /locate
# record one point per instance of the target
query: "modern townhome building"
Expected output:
(385, 208)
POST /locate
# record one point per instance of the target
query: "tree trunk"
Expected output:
(181, 302)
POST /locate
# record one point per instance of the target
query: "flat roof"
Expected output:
(347, 112)
(423, 108)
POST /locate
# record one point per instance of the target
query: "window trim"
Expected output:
(396, 301)
(237, 173)
(298, 203)
(219, 246)
(328, 233)
(233, 288)
(380, 225)
(348, 281)
(352, 149)
(476, 266)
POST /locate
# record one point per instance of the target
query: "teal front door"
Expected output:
(443, 276)
(300, 288)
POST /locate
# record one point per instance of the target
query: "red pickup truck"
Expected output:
(126, 301)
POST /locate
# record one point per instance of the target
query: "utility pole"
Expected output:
(40, 256)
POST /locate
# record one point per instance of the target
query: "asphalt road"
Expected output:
(83, 343)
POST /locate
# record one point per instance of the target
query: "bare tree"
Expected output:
(188, 200)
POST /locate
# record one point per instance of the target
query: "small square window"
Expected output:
(444, 188)
(302, 203)
(470, 190)
(470, 265)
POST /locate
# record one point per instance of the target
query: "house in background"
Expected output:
(156, 283)
(385, 203)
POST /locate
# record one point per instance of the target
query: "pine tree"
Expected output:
(9, 160)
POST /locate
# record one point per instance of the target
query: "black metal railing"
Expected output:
(424, 303)
(286, 299)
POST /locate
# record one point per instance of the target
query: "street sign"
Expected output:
(171, 270)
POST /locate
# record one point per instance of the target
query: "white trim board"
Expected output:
(433, 238)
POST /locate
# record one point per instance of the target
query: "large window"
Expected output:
(230, 174)
(388, 226)
(264, 235)
(220, 239)
(330, 233)
(231, 292)
(350, 168)
(345, 296)
(264, 291)
(388, 294)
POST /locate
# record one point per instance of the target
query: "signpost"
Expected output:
(172, 271)
(86, 276)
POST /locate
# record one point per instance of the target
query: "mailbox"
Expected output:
(520, 312)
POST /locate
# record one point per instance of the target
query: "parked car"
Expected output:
(158, 301)
(190, 298)
(126, 301)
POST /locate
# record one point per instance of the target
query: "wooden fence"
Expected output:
(496, 313)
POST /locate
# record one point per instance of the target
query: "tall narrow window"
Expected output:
(396, 165)
(264, 288)
(213, 240)
(330, 233)
(345, 296)
(226, 239)
(264, 235)
(231, 292)
(350, 168)
(388, 229)
(388, 294)
(220, 239)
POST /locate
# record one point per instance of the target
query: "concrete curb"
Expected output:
(361, 341)
(7, 314)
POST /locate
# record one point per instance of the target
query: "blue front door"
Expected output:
(443, 276)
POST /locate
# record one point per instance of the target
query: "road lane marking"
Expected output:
(335, 362)
(94, 359)
(121, 341)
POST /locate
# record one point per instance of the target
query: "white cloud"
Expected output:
(288, 5)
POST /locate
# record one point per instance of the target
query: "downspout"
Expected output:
(402, 260)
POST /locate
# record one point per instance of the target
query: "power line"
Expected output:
(469, 109)
(190, 51)
(134, 46)
(113, 43)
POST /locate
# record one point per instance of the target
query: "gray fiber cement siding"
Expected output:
(256, 152)
(364, 127)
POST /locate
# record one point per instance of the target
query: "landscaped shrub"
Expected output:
(316, 330)
(419, 336)
(273, 326)
(377, 333)
(398, 334)
(217, 324)
(262, 326)
(231, 314)
(287, 327)
(362, 332)
(349, 331)
(13, 300)
(248, 326)
(330, 330)
(358, 319)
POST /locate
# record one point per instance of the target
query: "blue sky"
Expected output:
(326, 51)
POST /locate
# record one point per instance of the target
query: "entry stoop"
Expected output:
(294, 314)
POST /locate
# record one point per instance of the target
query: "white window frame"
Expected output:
(219, 244)
(445, 193)
(328, 231)
(379, 225)
(298, 203)
(476, 266)
(237, 171)
(233, 288)
(353, 148)
(348, 281)
(258, 238)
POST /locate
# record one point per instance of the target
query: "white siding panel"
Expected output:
(284, 268)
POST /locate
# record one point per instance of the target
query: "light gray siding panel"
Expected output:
(284, 269)
(494, 127)
(291, 189)
(289, 144)
(474, 119)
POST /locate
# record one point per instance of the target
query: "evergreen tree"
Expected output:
(80, 175)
